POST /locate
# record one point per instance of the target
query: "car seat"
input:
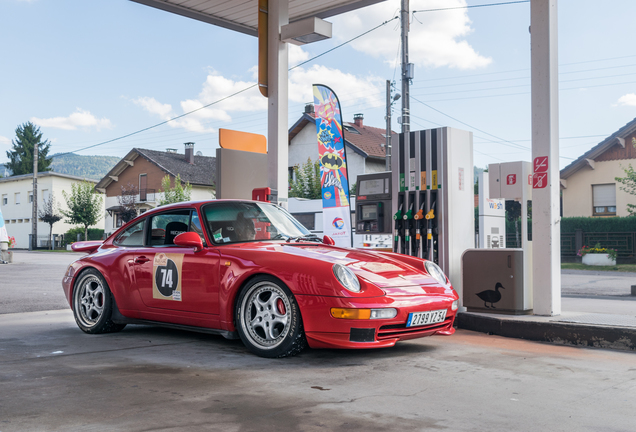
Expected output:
(173, 229)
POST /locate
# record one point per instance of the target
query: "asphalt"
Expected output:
(597, 310)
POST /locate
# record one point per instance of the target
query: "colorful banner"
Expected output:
(4, 237)
(334, 179)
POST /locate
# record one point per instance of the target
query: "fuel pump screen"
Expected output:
(369, 212)
(372, 187)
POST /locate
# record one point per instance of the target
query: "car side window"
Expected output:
(195, 226)
(164, 227)
(131, 236)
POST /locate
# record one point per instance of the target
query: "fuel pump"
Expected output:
(433, 192)
(397, 218)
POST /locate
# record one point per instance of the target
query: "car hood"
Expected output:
(391, 275)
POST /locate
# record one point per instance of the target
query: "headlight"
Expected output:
(434, 270)
(346, 277)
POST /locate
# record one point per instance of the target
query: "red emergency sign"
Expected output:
(511, 179)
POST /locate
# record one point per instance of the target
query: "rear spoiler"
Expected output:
(86, 246)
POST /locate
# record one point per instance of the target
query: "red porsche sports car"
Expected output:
(249, 270)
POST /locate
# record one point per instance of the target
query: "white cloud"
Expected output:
(627, 100)
(350, 89)
(214, 88)
(79, 119)
(296, 55)
(434, 37)
(4, 140)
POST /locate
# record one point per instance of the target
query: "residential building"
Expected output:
(365, 145)
(145, 169)
(16, 201)
(588, 184)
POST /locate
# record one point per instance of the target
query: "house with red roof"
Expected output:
(365, 145)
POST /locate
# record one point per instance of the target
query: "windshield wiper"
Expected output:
(309, 237)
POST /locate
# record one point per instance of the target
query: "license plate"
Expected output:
(426, 318)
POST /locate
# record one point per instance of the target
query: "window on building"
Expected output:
(117, 220)
(45, 195)
(5, 199)
(30, 197)
(17, 197)
(604, 200)
(143, 185)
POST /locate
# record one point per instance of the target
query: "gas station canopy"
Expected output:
(242, 15)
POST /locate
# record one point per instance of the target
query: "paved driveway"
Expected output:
(53, 377)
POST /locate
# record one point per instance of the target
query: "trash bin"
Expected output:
(492, 281)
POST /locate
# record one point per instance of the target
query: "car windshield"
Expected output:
(235, 221)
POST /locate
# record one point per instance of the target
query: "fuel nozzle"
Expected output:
(398, 215)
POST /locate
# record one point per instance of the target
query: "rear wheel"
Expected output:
(93, 304)
(268, 319)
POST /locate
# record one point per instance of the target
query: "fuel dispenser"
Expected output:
(434, 198)
(373, 204)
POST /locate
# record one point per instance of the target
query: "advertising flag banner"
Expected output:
(334, 178)
(4, 237)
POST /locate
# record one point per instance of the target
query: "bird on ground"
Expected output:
(491, 296)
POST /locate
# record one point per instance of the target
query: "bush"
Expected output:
(588, 224)
(70, 236)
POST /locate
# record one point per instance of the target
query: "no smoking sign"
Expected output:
(539, 180)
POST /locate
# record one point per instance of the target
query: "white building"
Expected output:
(16, 201)
(364, 145)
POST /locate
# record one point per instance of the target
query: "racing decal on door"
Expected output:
(166, 279)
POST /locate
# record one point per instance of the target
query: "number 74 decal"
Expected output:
(166, 276)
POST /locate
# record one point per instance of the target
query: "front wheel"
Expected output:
(93, 304)
(268, 319)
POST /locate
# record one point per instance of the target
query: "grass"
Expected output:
(616, 268)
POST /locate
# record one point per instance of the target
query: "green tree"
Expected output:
(84, 206)
(27, 136)
(629, 185)
(49, 215)
(126, 199)
(178, 193)
(307, 182)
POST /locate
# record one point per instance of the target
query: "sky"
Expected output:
(87, 72)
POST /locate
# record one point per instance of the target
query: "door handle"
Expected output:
(141, 260)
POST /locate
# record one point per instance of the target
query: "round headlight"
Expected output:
(434, 270)
(346, 277)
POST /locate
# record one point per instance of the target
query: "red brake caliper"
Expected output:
(280, 305)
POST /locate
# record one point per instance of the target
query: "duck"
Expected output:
(491, 296)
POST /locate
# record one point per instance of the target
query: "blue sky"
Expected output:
(87, 72)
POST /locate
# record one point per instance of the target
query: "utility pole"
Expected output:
(387, 149)
(34, 215)
(407, 69)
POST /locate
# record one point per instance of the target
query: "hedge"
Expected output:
(588, 224)
(93, 234)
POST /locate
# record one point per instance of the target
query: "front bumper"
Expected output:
(324, 331)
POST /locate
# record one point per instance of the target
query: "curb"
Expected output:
(616, 338)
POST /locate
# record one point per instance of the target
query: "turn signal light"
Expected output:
(384, 313)
(455, 305)
(343, 313)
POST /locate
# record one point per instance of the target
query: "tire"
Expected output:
(93, 304)
(268, 319)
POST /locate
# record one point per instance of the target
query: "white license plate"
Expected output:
(426, 318)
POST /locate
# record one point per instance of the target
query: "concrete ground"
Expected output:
(53, 377)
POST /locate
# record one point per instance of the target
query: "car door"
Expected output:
(172, 278)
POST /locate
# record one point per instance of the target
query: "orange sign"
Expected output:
(244, 141)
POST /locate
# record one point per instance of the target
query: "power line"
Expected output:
(232, 95)
(472, 6)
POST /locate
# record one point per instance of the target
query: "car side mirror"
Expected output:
(328, 240)
(189, 239)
